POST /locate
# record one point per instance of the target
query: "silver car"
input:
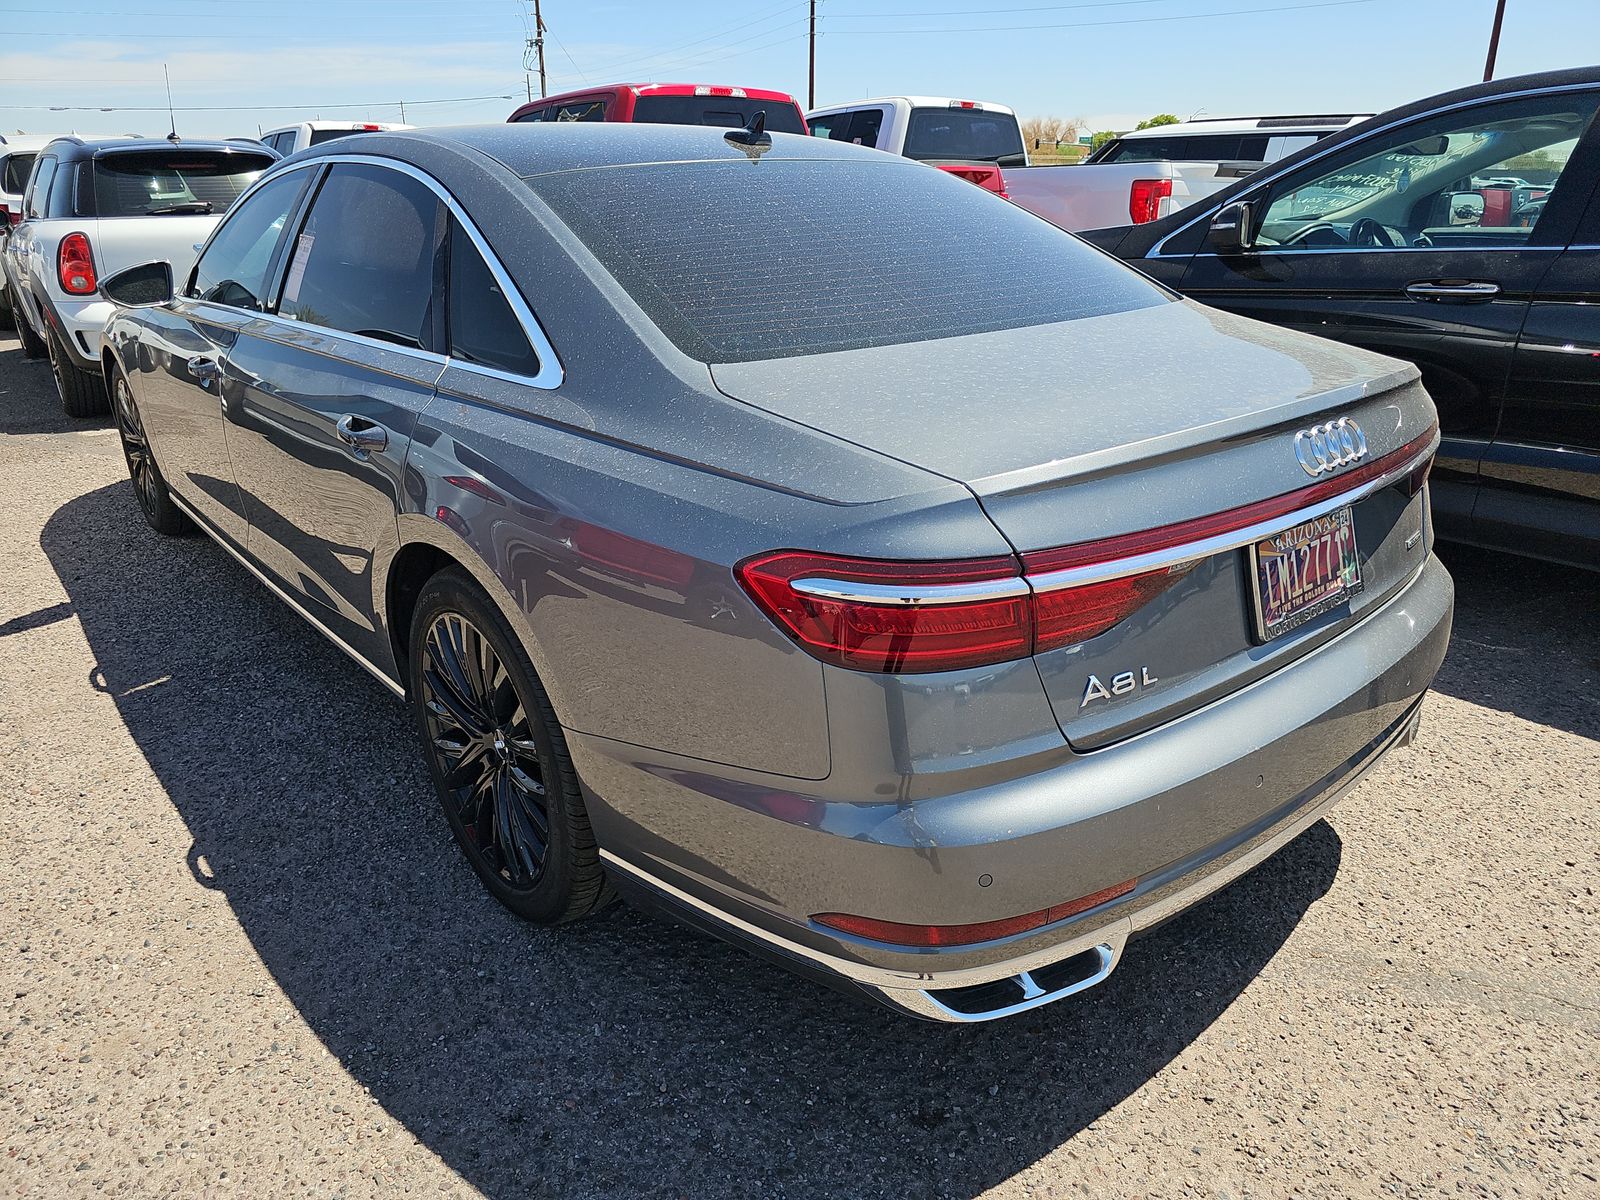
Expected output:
(797, 539)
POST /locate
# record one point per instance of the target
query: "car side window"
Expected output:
(234, 268)
(364, 262)
(865, 126)
(581, 110)
(483, 327)
(39, 187)
(1473, 178)
(538, 114)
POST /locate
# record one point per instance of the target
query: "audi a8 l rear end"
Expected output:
(909, 591)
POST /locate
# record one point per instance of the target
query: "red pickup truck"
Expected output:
(669, 104)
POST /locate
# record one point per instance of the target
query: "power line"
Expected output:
(613, 64)
(1231, 12)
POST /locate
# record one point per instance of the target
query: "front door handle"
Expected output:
(1454, 291)
(204, 369)
(361, 434)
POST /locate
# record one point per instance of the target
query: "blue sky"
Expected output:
(1111, 61)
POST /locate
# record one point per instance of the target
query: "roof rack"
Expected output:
(1287, 121)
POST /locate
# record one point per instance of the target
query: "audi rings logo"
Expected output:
(1324, 448)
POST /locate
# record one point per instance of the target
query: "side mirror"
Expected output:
(1233, 228)
(141, 286)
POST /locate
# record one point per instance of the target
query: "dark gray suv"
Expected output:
(801, 540)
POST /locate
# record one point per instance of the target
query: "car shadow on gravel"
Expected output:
(619, 1056)
(1525, 639)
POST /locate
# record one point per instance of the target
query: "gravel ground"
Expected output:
(239, 955)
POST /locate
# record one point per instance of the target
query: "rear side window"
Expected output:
(14, 176)
(318, 136)
(860, 127)
(538, 114)
(727, 112)
(581, 110)
(1208, 147)
(152, 183)
(233, 269)
(963, 135)
(364, 260)
(483, 327)
(737, 261)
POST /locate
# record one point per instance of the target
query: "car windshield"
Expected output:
(730, 112)
(737, 261)
(964, 135)
(14, 178)
(140, 183)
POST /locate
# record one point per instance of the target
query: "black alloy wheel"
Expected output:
(485, 751)
(155, 501)
(498, 758)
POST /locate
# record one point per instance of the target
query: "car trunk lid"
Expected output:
(1087, 434)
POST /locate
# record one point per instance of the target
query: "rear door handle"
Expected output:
(360, 434)
(204, 369)
(1454, 291)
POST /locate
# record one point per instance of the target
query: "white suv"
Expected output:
(286, 139)
(96, 207)
(16, 164)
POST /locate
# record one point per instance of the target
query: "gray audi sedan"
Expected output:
(799, 540)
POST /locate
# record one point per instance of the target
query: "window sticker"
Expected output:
(297, 268)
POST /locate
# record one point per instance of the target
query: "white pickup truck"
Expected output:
(1138, 177)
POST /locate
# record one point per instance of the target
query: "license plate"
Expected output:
(1303, 572)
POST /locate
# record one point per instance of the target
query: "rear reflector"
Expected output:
(916, 617)
(900, 934)
(75, 266)
(1145, 197)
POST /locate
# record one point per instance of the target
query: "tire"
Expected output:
(83, 394)
(32, 345)
(149, 485)
(497, 757)
(8, 318)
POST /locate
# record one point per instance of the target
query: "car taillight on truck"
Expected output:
(1145, 197)
(988, 178)
(75, 266)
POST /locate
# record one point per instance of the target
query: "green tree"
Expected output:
(1158, 119)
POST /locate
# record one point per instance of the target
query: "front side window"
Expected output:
(364, 260)
(1473, 178)
(538, 114)
(176, 182)
(483, 327)
(233, 269)
(43, 173)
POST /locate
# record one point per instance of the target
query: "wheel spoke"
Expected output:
(443, 702)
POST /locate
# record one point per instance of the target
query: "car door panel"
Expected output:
(1541, 474)
(320, 509)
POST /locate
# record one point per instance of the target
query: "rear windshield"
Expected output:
(14, 176)
(963, 135)
(142, 183)
(727, 111)
(1206, 147)
(318, 136)
(748, 260)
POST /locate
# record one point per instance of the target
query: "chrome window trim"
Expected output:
(1155, 251)
(1512, 248)
(361, 660)
(432, 357)
(551, 374)
(1174, 556)
(910, 595)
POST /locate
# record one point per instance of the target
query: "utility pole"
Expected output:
(811, 81)
(538, 46)
(1494, 40)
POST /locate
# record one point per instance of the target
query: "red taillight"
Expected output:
(901, 934)
(370, 128)
(9, 217)
(909, 617)
(75, 266)
(895, 616)
(1145, 197)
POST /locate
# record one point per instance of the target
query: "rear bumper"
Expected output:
(1181, 810)
(79, 324)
